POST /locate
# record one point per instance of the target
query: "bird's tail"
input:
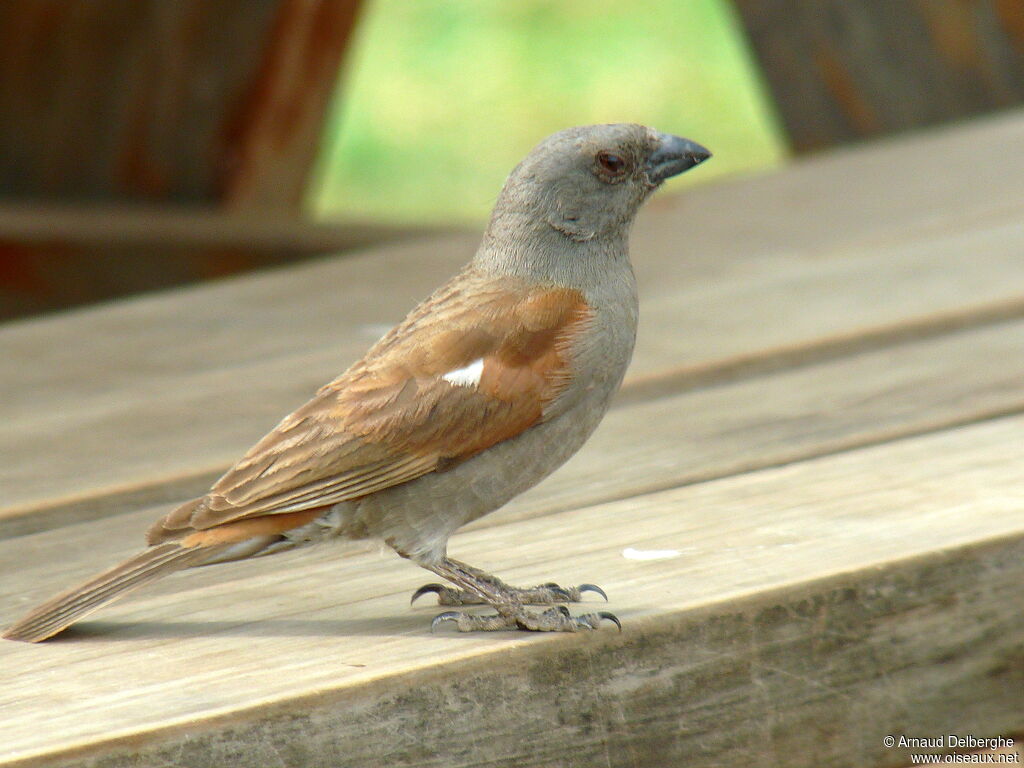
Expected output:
(68, 607)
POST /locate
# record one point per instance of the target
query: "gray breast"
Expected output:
(417, 517)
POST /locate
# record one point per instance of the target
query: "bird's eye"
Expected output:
(612, 163)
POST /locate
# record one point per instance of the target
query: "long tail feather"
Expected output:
(68, 607)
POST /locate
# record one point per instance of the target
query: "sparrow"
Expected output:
(485, 388)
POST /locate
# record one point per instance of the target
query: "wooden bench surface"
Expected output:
(822, 433)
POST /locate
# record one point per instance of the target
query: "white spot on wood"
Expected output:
(466, 377)
(649, 554)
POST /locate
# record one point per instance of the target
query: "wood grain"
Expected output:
(824, 426)
(842, 71)
(788, 416)
(63, 256)
(803, 605)
(777, 266)
(150, 228)
(207, 102)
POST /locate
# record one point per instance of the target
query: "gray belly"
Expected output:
(417, 517)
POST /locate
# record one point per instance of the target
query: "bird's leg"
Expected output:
(476, 587)
(542, 594)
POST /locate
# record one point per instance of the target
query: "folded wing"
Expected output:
(452, 380)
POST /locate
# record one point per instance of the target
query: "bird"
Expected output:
(482, 391)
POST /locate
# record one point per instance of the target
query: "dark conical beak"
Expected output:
(674, 156)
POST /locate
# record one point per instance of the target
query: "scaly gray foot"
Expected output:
(473, 587)
(543, 594)
(556, 619)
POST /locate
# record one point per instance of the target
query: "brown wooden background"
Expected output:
(146, 143)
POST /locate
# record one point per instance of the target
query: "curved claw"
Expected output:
(434, 587)
(611, 617)
(592, 588)
(443, 617)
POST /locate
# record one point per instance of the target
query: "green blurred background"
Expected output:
(441, 98)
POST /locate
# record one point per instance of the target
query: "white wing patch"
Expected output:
(468, 376)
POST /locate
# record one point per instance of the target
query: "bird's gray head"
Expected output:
(586, 183)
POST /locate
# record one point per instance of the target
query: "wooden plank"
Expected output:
(61, 256)
(842, 71)
(272, 136)
(688, 437)
(807, 274)
(119, 390)
(831, 205)
(197, 101)
(151, 227)
(789, 415)
(803, 605)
